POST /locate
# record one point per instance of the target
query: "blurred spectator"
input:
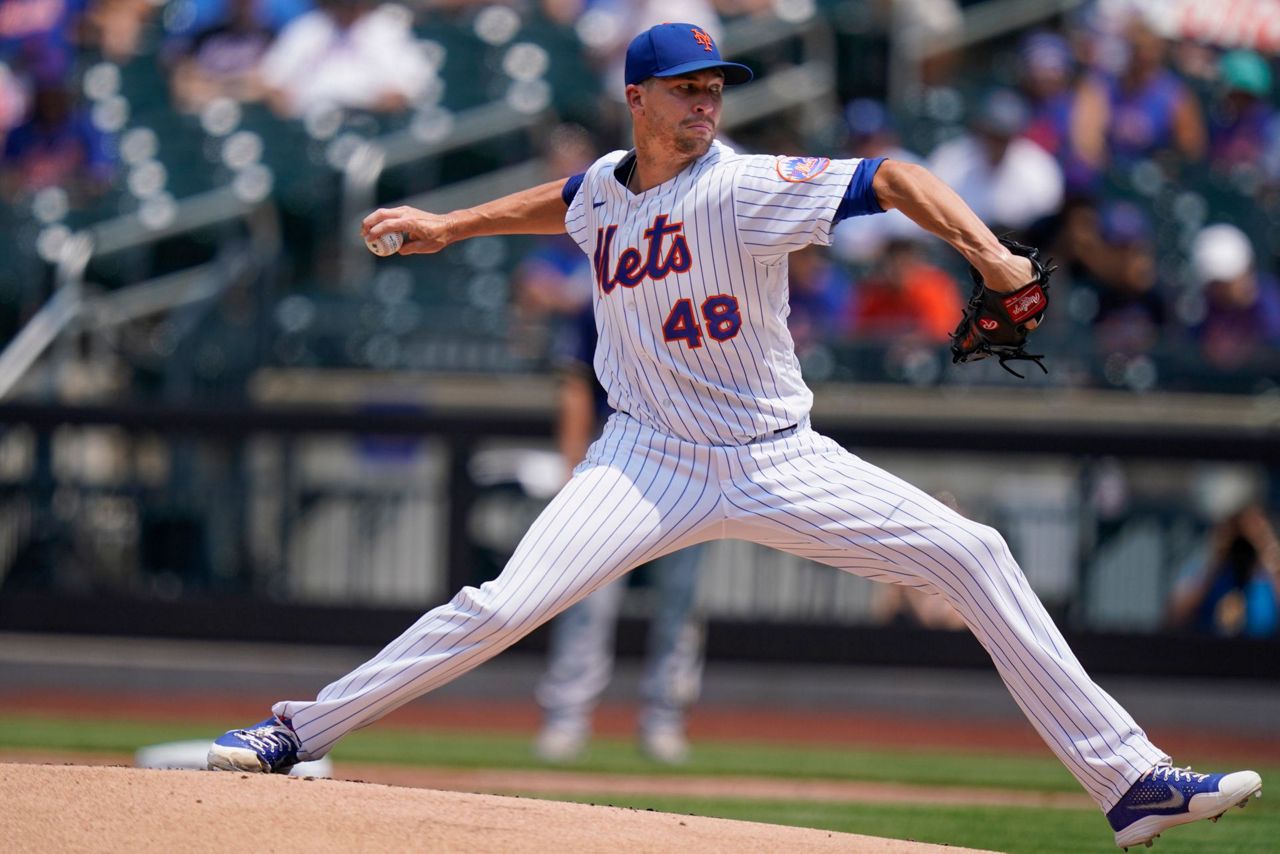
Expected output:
(222, 59)
(1242, 124)
(1142, 110)
(1235, 589)
(57, 146)
(1007, 179)
(197, 15)
(820, 296)
(933, 29)
(861, 239)
(1044, 74)
(13, 101)
(553, 282)
(1049, 81)
(1118, 262)
(37, 35)
(906, 297)
(345, 53)
(562, 12)
(1238, 316)
(116, 27)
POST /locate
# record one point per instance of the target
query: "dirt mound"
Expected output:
(76, 808)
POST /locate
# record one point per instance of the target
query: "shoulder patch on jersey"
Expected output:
(798, 169)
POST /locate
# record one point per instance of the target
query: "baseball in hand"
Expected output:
(387, 244)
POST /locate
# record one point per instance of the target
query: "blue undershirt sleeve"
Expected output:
(859, 197)
(571, 188)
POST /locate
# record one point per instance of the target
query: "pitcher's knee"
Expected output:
(471, 604)
(492, 611)
(483, 613)
(983, 547)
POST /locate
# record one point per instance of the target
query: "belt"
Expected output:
(780, 433)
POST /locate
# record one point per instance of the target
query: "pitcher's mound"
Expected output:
(80, 808)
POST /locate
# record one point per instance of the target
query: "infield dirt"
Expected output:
(78, 808)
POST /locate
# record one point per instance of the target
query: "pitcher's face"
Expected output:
(681, 114)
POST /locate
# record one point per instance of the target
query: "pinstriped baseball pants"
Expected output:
(641, 494)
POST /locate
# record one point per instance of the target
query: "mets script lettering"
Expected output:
(632, 268)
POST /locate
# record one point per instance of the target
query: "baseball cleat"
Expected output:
(267, 747)
(665, 745)
(1165, 797)
(559, 745)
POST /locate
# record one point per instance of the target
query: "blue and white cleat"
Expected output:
(1165, 797)
(268, 747)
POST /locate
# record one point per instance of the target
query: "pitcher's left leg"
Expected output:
(808, 496)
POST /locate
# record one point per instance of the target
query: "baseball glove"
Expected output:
(995, 324)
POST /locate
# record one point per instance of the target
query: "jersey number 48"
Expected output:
(720, 313)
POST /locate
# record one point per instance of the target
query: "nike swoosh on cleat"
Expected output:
(1175, 800)
(596, 204)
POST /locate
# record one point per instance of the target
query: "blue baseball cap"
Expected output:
(669, 50)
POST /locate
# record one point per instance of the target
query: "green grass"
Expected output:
(503, 750)
(453, 749)
(1255, 829)
(100, 736)
(1010, 829)
(720, 759)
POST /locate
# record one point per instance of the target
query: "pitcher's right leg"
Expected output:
(808, 496)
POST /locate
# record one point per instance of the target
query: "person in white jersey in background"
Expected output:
(711, 439)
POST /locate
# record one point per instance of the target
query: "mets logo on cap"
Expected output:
(798, 169)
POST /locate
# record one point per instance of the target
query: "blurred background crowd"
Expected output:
(1142, 153)
(181, 182)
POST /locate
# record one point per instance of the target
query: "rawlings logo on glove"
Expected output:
(1026, 306)
(995, 324)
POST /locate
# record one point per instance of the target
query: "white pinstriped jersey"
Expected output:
(691, 288)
